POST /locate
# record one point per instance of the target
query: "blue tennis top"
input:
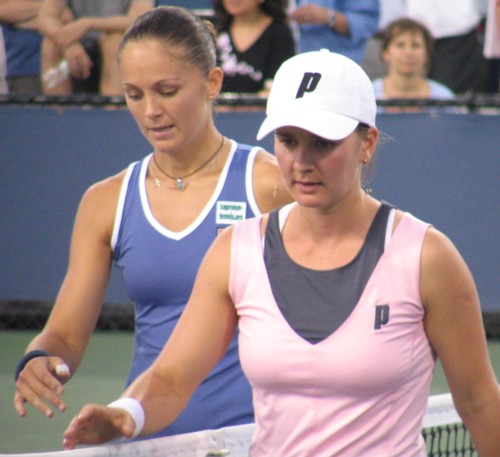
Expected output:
(159, 268)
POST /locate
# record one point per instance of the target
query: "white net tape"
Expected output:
(228, 441)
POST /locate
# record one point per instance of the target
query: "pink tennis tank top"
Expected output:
(362, 391)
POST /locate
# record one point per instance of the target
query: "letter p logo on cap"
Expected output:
(308, 84)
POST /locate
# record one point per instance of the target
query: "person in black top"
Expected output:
(254, 39)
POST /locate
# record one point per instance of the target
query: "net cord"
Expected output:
(229, 441)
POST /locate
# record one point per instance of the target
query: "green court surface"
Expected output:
(100, 379)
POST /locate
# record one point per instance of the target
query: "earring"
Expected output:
(364, 161)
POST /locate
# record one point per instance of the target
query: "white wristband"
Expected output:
(134, 408)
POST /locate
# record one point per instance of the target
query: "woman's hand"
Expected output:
(79, 62)
(41, 384)
(310, 14)
(97, 424)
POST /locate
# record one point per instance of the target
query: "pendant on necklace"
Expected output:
(157, 182)
(180, 184)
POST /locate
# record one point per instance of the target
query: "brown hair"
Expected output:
(403, 25)
(176, 26)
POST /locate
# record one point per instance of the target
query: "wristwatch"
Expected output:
(331, 18)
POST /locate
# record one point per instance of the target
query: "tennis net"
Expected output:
(444, 434)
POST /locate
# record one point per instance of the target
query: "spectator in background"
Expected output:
(458, 55)
(342, 26)
(407, 51)
(86, 34)
(20, 50)
(253, 40)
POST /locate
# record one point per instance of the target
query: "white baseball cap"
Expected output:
(322, 92)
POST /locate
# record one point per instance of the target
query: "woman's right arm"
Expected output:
(78, 304)
(199, 341)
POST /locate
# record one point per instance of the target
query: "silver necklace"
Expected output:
(179, 181)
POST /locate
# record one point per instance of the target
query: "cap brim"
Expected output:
(331, 126)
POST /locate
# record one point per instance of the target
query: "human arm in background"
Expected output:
(78, 28)
(355, 19)
(78, 304)
(53, 16)
(318, 15)
(454, 326)
(199, 341)
(63, 32)
(20, 13)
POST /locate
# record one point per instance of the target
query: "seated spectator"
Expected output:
(407, 51)
(20, 47)
(253, 40)
(86, 34)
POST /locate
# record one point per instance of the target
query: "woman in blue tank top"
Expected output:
(156, 220)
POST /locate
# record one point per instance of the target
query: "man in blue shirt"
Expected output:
(342, 26)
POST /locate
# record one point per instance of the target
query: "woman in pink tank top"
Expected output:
(357, 386)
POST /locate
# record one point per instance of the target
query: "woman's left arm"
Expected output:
(454, 326)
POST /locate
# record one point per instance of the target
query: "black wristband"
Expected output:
(27, 357)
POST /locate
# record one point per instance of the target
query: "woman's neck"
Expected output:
(353, 212)
(401, 86)
(251, 19)
(192, 155)
(246, 29)
(321, 239)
